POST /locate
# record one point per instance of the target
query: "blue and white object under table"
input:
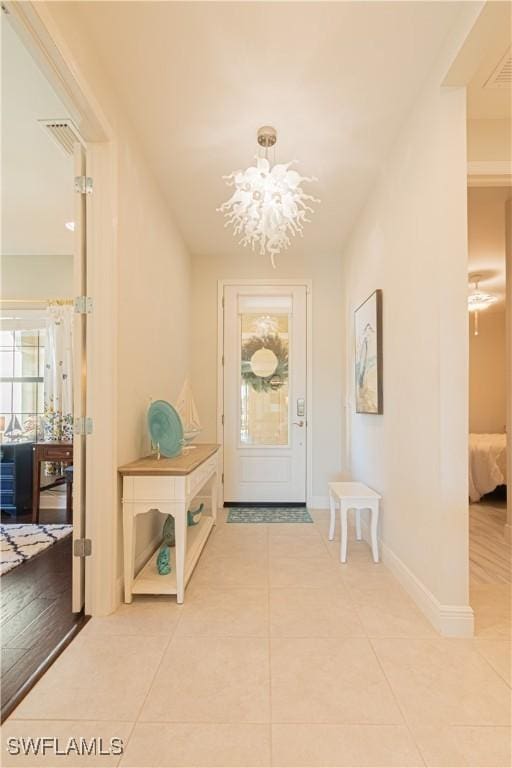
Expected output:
(168, 486)
(355, 496)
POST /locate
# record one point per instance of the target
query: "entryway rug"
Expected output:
(19, 543)
(269, 515)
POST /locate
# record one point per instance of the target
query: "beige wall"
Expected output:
(410, 241)
(325, 272)
(153, 272)
(489, 140)
(487, 388)
(486, 245)
(36, 277)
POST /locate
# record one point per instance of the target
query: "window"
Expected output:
(22, 354)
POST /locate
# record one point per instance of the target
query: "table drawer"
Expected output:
(56, 453)
(200, 475)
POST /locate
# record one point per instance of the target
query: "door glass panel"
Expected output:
(264, 379)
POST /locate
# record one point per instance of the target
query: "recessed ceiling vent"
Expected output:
(63, 132)
(502, 75)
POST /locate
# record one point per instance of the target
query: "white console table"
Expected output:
(169, 486)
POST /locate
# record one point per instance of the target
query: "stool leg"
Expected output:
(332, 523)
(343, 521)
(374, 524)
(358, 524)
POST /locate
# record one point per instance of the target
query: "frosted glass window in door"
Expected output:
(264, 379)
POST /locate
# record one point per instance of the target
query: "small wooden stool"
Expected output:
(355, 496)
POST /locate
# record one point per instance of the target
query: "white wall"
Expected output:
(37, 277)
(410, 241)
(325, 272)
(152, 309)
(487, 372)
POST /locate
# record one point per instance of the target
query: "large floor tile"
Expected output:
(162, 745)
(387, 611)
(323, 746)
(293, 529)
(231, 540)
(66, 735)
(492, 606)
(206, 679)
(311, 612)
(361, 571)
(146, 615)
(444, 681)
(499, 655)
(232, 571)
(465, 746)
(96, 678)
(290, 545)
(319, 572)
(225, 612)
(329, 681)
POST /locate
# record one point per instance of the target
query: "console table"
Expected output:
(168, 486)
(53, 452)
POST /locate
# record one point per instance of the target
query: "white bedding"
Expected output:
(487, 464)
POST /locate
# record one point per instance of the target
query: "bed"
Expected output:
(487, 464)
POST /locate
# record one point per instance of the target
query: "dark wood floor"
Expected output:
(36, 619)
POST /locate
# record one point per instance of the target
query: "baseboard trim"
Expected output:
(449, 620)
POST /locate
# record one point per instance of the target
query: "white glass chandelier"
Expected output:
(478, 300)
(268, 205)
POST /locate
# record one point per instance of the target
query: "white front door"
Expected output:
(265, 394)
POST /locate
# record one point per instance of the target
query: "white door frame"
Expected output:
(307, 283)
(36, 27)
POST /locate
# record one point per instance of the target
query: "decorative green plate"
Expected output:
(165, 428)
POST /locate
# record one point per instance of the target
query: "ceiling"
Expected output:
(486, 101)
(198, 79)
(37, 176)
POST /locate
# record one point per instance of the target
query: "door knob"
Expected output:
(298, 423)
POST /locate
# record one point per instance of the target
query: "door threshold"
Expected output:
(256, 504)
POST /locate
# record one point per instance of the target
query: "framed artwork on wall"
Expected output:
(368, 355)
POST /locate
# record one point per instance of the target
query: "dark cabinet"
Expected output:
(16, 477)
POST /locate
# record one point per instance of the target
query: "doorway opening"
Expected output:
(42, 350)
(490, 571)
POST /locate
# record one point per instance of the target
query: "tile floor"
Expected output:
(280, 656)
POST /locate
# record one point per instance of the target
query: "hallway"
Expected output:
(279, 656)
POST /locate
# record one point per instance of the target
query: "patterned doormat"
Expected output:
(19, 543)
(269, 515)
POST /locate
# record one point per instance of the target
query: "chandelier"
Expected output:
(268, 205)
(478, 300)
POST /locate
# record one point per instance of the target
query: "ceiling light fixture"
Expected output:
(478, 300)
(70, 225)
(268, 204)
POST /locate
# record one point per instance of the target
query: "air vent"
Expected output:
(63, 132)
(502, 75)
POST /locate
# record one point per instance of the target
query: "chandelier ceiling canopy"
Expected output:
(268, 205)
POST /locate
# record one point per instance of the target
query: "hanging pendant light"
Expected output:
(268, 205)
(479, 300)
